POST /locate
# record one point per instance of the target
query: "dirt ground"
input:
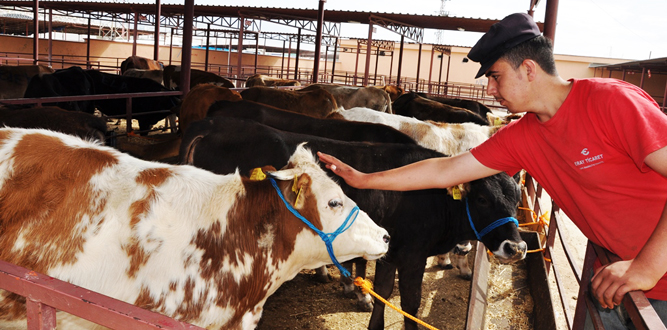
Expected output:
(304, 303)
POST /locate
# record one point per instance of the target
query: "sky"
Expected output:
(633, 30)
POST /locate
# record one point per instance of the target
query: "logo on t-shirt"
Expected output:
(588, 161)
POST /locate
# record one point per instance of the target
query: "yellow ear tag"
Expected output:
(257, 175)
(298, 194)
(497, 122)
(456, 193)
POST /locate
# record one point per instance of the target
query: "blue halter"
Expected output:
(490, 227)
(327, 238)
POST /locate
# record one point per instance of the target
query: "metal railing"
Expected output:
(128, 116)
(640, 310)
(44, 295)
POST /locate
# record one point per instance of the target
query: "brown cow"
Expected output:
(393, 91)
(138, 62)
(262, 80)
(155, 75)
(199, 99)
(412, 105)
(349, 97)
(172, 78)
(14, 79)
(316, 103)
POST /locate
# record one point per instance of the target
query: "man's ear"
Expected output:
(531, 69)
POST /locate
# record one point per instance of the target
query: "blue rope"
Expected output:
(490, 227)
(327, 238)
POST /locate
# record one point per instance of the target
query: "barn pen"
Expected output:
(309, 305)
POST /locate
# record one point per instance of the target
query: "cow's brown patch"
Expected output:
(458, 131)
(145, 301)
(4, 135)
(192, 306)
(46, 196)
(154, 177)
(258, 210)
(417, 132)
(139, 208)
(150, 178)
(199, 99)
(12, 307)
(315, 102)
(138, 257)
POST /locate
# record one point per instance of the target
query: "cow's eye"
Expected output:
(335, 203)
(482, 201)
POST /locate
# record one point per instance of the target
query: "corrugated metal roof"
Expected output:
(656, 65)
(337, 16)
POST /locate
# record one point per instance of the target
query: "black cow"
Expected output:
(471, 105)
(84, 125)
(107, 83)
(72, 81)
(339, 129)
(422, 223)
(412, 105)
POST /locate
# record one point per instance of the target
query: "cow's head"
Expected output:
(491, 206)
(315, 196)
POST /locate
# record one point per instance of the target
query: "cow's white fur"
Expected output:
(426, 133)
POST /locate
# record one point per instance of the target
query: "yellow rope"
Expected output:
(542, 220)
(367, 287)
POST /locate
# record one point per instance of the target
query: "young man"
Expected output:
(598, 147)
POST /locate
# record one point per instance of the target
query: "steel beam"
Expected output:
(35, 39)
(403, 29)
(156, 35)
(318, 42)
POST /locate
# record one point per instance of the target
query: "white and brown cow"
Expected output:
(449, 139)
(203, 248)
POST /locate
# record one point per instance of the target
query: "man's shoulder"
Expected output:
(602, 85)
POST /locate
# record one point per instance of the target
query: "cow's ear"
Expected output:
(300, 187)
(268, 168)
(260, 173)
(459, 192)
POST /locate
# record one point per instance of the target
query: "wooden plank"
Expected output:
(97, 308)
(40, 316)
(639, 309)
(583, 299)
(478, 290)
(538, 282)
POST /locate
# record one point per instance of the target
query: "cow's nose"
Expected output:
(516, 249)
(386, 238)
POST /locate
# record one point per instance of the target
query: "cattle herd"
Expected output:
(208, 237)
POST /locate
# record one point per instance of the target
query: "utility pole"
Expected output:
(441, 12)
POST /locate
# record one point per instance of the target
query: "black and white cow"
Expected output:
(422, 223)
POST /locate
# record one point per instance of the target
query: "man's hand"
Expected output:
(347, 172)
(611, 282)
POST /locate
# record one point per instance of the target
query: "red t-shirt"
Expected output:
(589, 157)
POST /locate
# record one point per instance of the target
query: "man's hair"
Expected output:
(538, 49)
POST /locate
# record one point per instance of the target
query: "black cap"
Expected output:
(511, 31)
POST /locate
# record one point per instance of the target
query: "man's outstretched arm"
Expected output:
(442, 172)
